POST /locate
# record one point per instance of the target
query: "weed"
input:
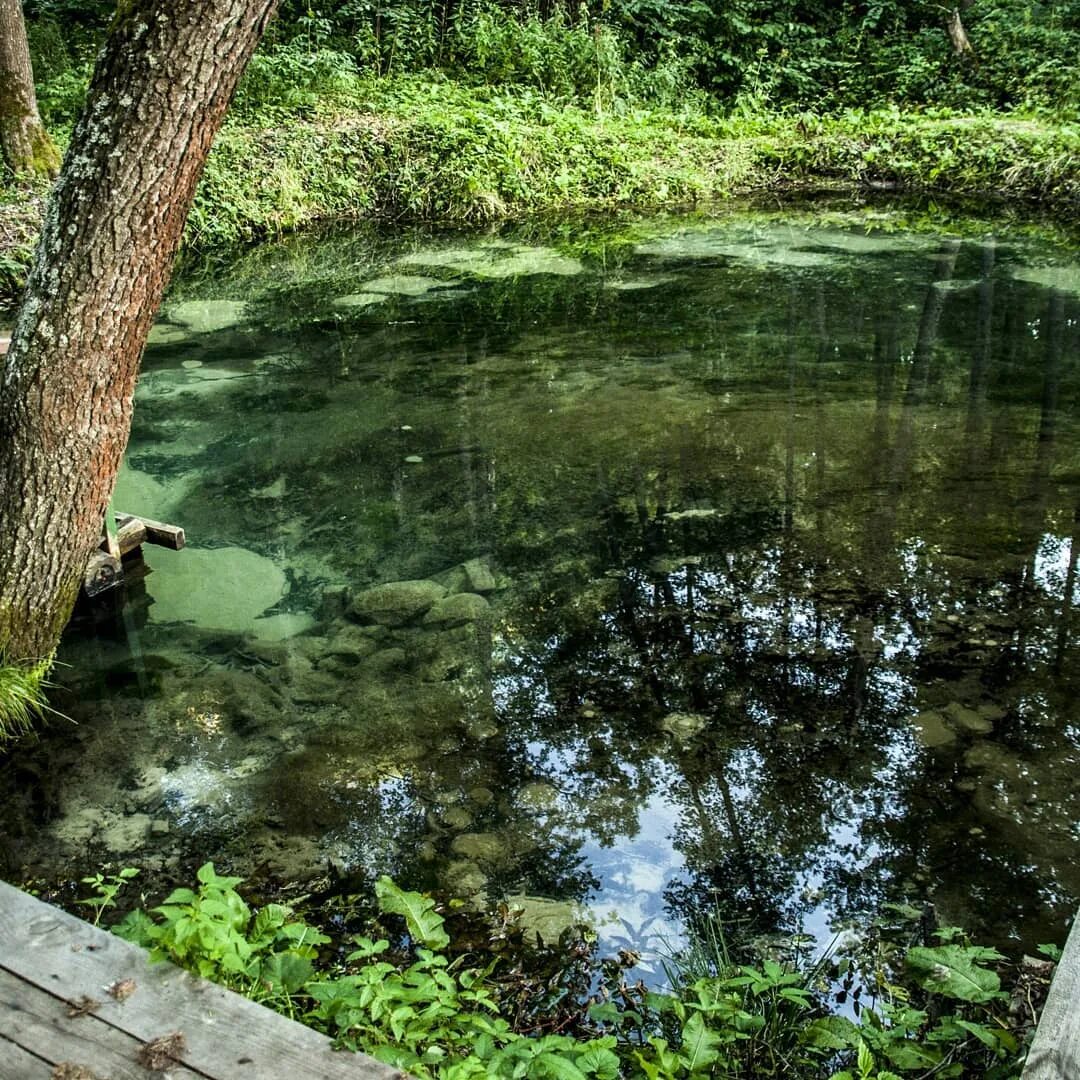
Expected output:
(936, 1009)
(22, 698)
(106, 888)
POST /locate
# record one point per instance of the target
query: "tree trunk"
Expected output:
(954, 26)
(25, 144)
(110, 235)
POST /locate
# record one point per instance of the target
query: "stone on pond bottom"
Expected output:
(396, 602)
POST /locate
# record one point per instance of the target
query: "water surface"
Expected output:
(742, 568)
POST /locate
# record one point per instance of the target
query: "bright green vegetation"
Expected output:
(421, 1002)
(22, 698)
(480, 111)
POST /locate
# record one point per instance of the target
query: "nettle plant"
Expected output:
(928, 1010)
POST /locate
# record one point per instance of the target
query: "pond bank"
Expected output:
(442, 152)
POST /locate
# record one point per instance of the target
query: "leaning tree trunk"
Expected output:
(24, 142)
(111, 232)
(954, 27)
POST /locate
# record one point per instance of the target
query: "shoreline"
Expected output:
(509, 161)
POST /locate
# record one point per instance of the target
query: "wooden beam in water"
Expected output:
(157, 532)
(1055, 1051)
(50, 962)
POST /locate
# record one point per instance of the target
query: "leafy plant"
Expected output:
(213, 932)
(936, 1010)
(105, 889)
(22, 698)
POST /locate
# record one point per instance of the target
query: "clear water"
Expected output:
(770, 526)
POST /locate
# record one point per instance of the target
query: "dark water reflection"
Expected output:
(775, 524)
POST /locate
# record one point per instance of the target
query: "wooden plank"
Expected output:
(1055, 1051)
(130, 535)
(18, 1064)
(227, 1036)
(157, 532)
(38, 1023)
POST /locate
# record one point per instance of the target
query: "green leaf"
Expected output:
(559, 1067)
(599, 1061)
(699, 1043)
(208, 876)
(181, 896)
(831, 1033)
(909, 1055)
(864, 1059)
(987, 1036)
(425, 925)
(951, 970)
(287, 971)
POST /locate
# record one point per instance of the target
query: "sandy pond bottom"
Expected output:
(631, 569)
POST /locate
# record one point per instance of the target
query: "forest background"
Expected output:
(473, 110)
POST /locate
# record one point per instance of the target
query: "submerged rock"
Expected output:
(478, 576)
(164, 334)
(960, 716)
(467, 881)
(496, 259)
(360, 300)
(457, 610)
(350, 645)
(208, 316)
(406, 285)
(681, 725)
(227, 588)
(538, 796)
(547, 919)
(931, 729)
(1063, 278)
(396, 603)
(482, 847)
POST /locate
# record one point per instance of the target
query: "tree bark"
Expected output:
(111, 232)
(24, 142)
(954, 27)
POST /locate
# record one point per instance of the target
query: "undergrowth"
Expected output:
(408, 995)
(22, 698)
(315, 136)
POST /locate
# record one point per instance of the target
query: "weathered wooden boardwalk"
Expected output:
(1055, 1051)
(57, 1013)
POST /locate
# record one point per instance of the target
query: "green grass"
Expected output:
(421, 147)
(22, 698)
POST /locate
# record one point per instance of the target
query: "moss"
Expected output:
(44, 154)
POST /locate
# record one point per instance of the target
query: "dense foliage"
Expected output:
(740, 53)
(413, 1000)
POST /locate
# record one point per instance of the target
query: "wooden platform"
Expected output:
(1055, 1051)
(55, 1010)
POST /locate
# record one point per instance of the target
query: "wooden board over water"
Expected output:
(1055, 1053)
(51, 963)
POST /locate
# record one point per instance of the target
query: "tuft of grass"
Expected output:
(22, 698)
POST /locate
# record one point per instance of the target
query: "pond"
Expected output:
(631, 568)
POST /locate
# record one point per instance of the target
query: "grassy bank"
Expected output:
(422, 148)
